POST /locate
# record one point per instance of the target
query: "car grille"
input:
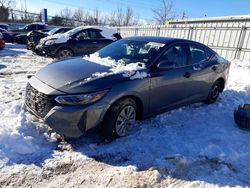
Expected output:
(39, 103)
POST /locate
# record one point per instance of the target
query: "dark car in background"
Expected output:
(128, 80)
(4, 26)
(20, 35)
(7, 35)
(78, 41)
(33, 37)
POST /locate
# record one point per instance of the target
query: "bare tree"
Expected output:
(119, 16)
(128, 18)
(79, 16)
(165, 12)
(7, 3)
(96, 16)
(184, 15)
(5, 6)
(56, 20)
(67, 16)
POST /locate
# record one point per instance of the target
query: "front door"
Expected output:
(171, 88)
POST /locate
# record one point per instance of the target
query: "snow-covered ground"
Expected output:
(194, 146)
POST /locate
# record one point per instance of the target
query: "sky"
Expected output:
(143, 8)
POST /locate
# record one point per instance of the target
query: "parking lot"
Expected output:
(197, 145)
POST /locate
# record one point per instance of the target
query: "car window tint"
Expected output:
(130, 51)
(4, 27)
(94, 34)
(175, 55)
(83, 35)
(198, 54)
(40, 27)
(31, 27)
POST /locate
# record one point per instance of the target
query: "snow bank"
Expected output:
(20, 139)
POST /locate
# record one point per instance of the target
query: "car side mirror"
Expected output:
(165, 65)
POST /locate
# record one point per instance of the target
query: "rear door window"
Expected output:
(40, 27)
(31, 27)
(175, 55)
(94, 34)
(198, 54)
(82, 35)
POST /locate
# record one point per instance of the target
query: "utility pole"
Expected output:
(25, 11)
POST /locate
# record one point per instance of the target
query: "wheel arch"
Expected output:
(222, 83)
(138, 101)
(65, 47)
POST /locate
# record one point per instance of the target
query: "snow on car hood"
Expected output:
(132, 70)
(59, 38)
(64, 37)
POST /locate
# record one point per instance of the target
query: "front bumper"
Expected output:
(70, 121)
(45, 50)
(73, 121)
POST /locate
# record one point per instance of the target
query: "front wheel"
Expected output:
(119, 119)
(64, 53)
(213, 93)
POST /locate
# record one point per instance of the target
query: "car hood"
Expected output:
(65, 74)
(59, 38)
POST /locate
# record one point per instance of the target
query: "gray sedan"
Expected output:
(128, 80)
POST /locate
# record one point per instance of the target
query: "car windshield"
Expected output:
(52, 31)
(131, 51)
(73, 31)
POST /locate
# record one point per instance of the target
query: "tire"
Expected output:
(242, 117)
(214, 92)
(63, 53)
(116, 123)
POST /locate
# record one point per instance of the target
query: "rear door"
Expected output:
(97, 40)
(89, 41)
(203, 69)
(80, 42)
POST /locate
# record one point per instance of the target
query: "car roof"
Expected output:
(159, 39)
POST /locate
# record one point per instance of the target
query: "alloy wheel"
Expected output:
(125, 119)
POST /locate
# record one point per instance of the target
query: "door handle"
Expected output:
(94, 42)
(214, 68)
(187, 75)
(197, 68)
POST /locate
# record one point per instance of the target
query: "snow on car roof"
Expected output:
(64, 37)
(105, 32)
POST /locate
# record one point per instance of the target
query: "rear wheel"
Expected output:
(119, 119)
(63, 53)
(214, 92)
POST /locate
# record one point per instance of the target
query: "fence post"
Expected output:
(240, 42)
(158, 31)
(190, 33)
(136, 31)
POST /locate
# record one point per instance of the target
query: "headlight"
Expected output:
(50, 42)
(81, 99)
